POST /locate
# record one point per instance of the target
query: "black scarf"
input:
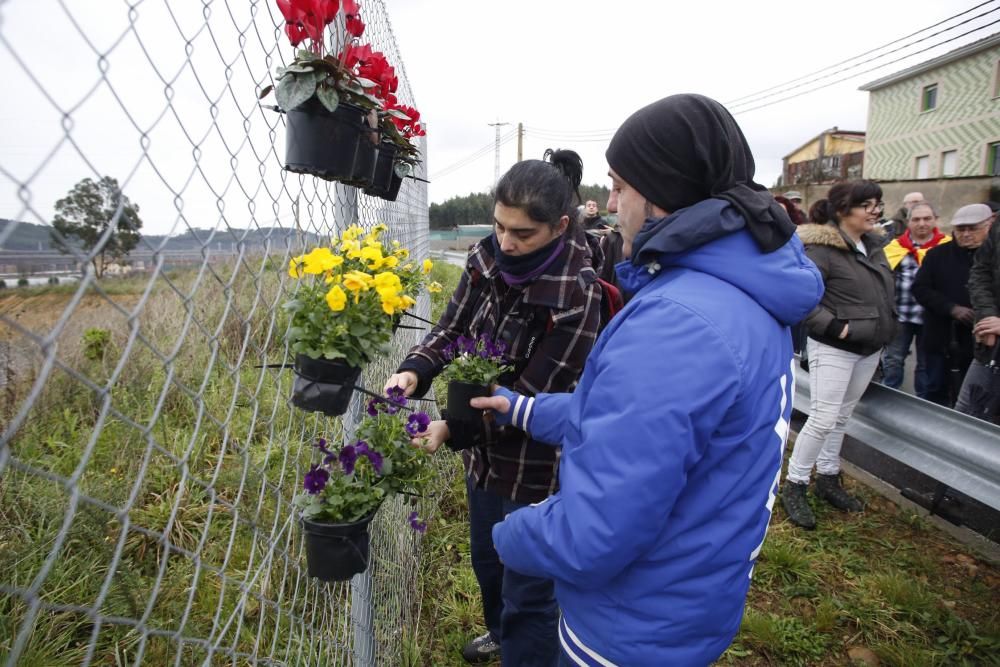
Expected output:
(520, 269)
(688, 148)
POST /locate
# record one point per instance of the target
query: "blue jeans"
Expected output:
(895, 357)
(519, 610)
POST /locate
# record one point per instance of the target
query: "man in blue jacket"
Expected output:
(672, 441)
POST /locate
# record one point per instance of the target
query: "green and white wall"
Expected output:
(966, 119)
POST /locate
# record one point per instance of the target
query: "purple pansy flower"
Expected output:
(396, 400)
(417, 423)
(373, 407)
(416, 524)
(348, 456)
(316, 479)
(375, 459)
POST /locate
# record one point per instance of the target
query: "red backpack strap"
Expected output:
(612, 301)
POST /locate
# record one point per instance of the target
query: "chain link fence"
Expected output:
(148, 451)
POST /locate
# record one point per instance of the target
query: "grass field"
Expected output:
(145, 503)
(882, 587)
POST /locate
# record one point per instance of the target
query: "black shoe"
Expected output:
(481, 649)
(793, 499)
(829, 489)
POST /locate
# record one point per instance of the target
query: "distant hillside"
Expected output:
(31, 237)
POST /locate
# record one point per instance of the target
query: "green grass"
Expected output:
(205, 454)
(885, 580)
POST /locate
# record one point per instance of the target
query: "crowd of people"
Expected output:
(622, 479)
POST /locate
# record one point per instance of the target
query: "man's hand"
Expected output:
(407, 381)
(437, 432)
(508, 407)
(963, 314)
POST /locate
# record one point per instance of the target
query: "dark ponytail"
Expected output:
(545, 190)
(819, 212)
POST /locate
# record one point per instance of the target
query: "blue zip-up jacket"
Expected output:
(672, 448)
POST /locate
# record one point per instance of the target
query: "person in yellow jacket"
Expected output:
(905, 254)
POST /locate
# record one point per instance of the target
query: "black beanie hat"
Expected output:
(686, 148)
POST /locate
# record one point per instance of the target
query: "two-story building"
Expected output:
(938, 119)
(831, 155)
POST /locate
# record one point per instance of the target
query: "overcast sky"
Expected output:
(571, 71)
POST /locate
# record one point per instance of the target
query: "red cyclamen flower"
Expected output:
(355, 26)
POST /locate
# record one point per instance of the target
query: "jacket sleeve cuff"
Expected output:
(546, 417)
(424, 370)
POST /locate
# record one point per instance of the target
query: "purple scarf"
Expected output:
(521, 269)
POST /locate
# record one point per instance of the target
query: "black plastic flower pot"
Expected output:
(321, 143)
(459, 395)
(322, 385)
(383, 169)
(337, 551)
(367, 160)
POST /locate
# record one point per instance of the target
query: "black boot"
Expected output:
(793, 498)
(829, 489)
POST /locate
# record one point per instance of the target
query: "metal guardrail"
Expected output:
(953, 448)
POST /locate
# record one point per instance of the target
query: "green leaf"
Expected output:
(328, 97)
(295, 90)
(359, 329)
(299, 68)
(398, 114)
(366, 83)
(304, 54)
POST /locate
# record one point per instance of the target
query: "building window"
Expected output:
(924, 166)
(993, 159)
(928, 100)
(949, 163)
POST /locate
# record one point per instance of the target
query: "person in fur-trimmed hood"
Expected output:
(847, 331)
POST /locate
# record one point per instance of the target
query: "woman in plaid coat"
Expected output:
(532, 285)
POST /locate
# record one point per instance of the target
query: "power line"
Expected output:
(570, 132)
(867, 71)
(568, 140)
(785, 87)
(471, 157)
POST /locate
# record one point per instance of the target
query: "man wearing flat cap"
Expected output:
(941, 288)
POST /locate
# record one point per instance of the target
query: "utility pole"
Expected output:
(496, 160)
(520, 141)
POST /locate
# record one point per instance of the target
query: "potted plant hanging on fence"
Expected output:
(345, 490)
(331, 100)
(397, 156)
(342, 314)
(473, 365)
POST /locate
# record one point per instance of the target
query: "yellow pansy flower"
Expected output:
(336, 298)
(294, 268)
(407, 301)
(434, 287)
(352, 233)
(321, 260)
(390, 262)
(387, 279)
(402, 253)
(395, 243)
(372, 256)
(389, 305)
(357, 281)
(427, 266)
(351, 248)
